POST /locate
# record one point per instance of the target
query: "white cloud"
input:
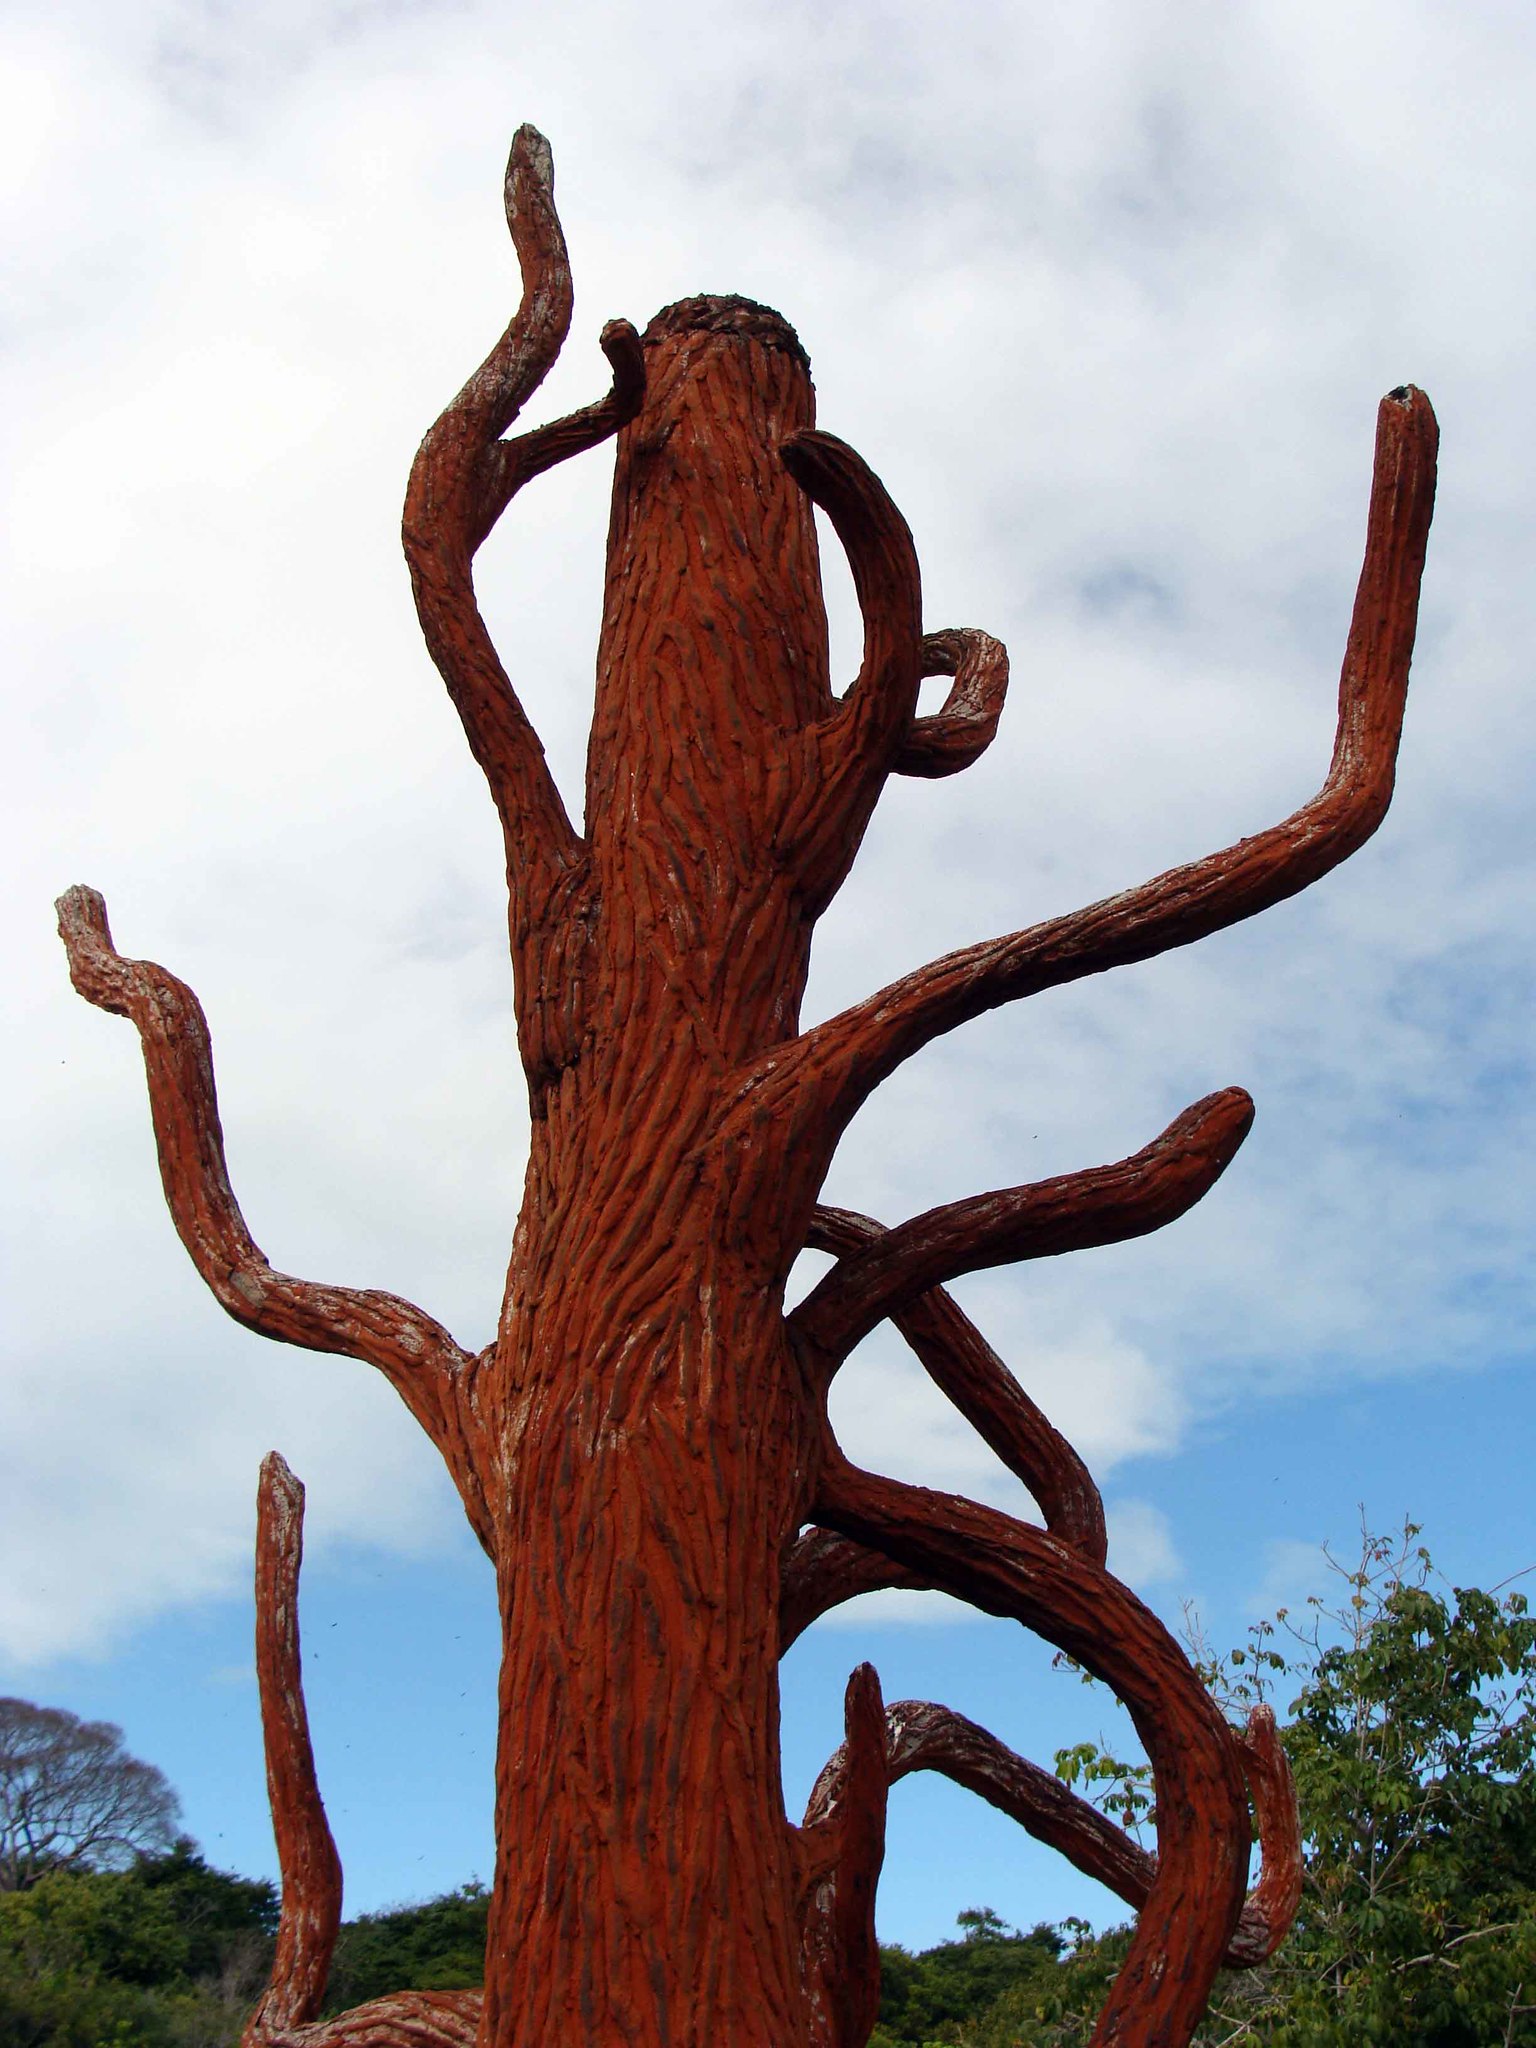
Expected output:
(1108, 301)
(1142, 1551)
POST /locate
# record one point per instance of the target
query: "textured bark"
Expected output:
(920, 1736)
(306, 1853)
(643, 1450)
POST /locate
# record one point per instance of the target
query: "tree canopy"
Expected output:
(1411, 1731)
(72, 1798)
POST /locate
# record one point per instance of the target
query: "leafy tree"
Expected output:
(926, 1998)
(72, 1798)
(1413, 1741)
(168, 1955)
(1412, 1737)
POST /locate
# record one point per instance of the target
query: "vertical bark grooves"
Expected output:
(306, 1852)
(641, 1448)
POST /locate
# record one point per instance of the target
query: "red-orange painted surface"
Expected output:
(644, 1449)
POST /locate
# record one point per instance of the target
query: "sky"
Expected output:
(1107, 294)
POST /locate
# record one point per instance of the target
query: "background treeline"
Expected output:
(1410, 1713)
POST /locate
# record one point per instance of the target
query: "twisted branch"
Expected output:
(462, 480)
(405, 2019)
(921, 1736)
(824, 1570)
(1007, 1568)
(834, 1067)
(1272, 1904)
(1104, 1205)
(306, 1851)
(415, 1354)
(965, 725)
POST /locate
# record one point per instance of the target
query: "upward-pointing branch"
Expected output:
(835, 1066)
(306, 1851)
(462, 480)
(1105, 1205)
(856, 748)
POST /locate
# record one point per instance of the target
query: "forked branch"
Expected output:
(1105, 1205)
(968, 1372)
(415, 1354)
(462, 480)
(306, 1852)
(836, 1065)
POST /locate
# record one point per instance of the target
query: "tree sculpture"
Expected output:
(644, 1449)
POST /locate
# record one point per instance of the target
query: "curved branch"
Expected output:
(841, 1958)
(969, 1373)
(306, 1851)
(965, 725)
(854, 750)
(462, 480)
(1007, 1568)
(508, 465)
(416, 1354)
(824, 1570)
(921, 1736)
(842, 1060)
(1105, 1205)
(404, 2019)
(1273, 1902)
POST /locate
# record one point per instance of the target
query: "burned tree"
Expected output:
(644, 1449)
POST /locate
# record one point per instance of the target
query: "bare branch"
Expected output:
(824, 1570)
(844, 1843)
(969, 1373)
(1007, 1568)
(306, 1852)
(1272, 1903)
(404, 2019)
(463, 478)
(1104, 1205)
(508, 465)
(921, 1736)
(856, 748)
(415, 1354)
(965, 725)
(842, 1060)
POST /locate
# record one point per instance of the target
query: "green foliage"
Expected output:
(437, 1946)
(926, 1998)
(170, 1954)
(1412, 1736)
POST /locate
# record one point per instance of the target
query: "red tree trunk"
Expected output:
(644, 1450)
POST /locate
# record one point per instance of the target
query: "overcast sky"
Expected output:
(1107, 294)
